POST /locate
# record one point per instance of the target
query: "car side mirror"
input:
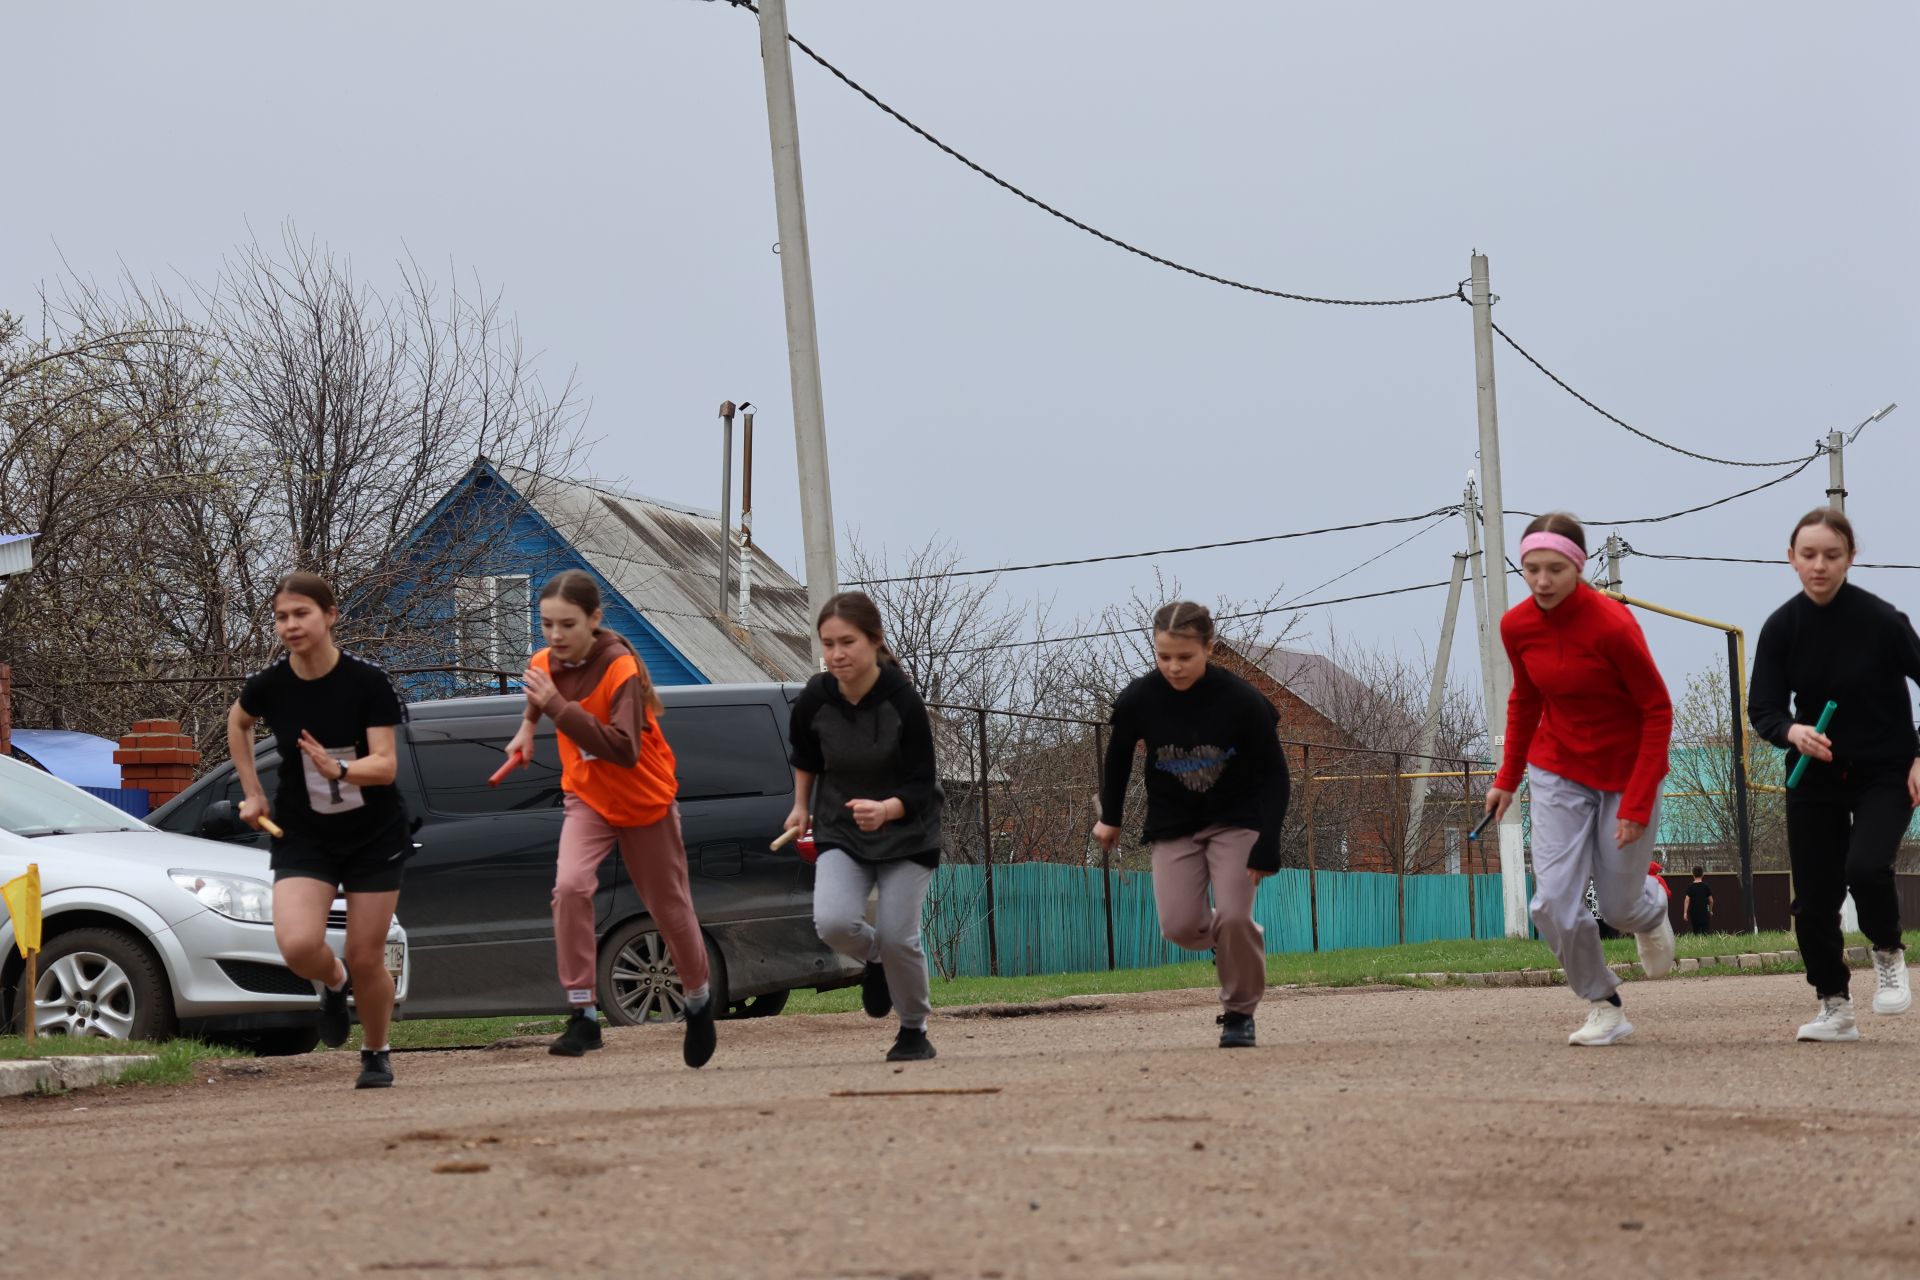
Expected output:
(220, 822)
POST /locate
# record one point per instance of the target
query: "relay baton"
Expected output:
(1475, 833)
(271, 827)
(514, 761)
(1819, 726)
(784, 839)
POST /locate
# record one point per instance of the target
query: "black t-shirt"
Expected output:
(337, 709)
(1699, 898)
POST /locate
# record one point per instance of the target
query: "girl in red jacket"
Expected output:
(1588, 721)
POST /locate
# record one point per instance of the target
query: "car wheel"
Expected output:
(766, 1006)
(638, 983)
(99, 982)
(274, 1042)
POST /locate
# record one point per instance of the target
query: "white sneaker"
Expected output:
(1891, 992)
(1834, 1022)
(1606, 1022)
(1656, 949)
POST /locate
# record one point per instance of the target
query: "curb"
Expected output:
(57, 1075)
(1857, 957)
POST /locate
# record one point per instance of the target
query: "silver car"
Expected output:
(149, 935)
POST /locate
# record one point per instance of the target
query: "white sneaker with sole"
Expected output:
(1606, 1023)
(1656, 949)
(1834, 1022)
(1891, 993)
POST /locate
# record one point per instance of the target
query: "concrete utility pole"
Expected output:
(1436, 697)
(1612, 553)
(1496, 710)
(1837, 442)
(1513, 875)
(796, 282)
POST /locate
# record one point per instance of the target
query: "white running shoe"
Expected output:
(1606, 1023)
(1891, 992)
(1834, 1022)
(1656, 949)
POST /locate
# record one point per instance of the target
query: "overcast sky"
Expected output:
(1701, 215)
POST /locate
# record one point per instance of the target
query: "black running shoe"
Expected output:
(875, 998)
(581, 1034)
(911, 1045)
(376, 1070)
(698, 1046)
(1236, 1030)
(334, 1022)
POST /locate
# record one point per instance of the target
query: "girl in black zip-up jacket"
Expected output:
(863, 769)
(1216, 796)
(1850, 809)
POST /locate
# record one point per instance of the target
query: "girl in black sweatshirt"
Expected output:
(1845, 818)
(1216, 795)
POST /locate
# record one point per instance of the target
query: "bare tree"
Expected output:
(1699, 809)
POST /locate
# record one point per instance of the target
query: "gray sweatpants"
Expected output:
(841, 884)
(1573, 843)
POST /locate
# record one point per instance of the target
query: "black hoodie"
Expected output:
(879, 748)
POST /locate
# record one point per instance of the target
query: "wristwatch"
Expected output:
(343, 771)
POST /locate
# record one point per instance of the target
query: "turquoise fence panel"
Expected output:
(954, 928)
(1358, 909)
(1436, 908)
(1490, 912)
(1284, 909)
(1050, 918)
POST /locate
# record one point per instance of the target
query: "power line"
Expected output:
(1223, 617)
(1448, 515)
(1560, 382)
(1775, 561)
(1705, 506)
(1164, 551)
(1070, 220)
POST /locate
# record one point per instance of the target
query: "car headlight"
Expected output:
(235, 897)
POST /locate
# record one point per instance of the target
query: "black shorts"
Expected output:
(375, 864)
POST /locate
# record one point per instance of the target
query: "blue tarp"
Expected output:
(79, 758)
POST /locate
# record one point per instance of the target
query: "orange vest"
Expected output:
(636, 796)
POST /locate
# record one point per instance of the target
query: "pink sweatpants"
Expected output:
(1182, 871)
(656, 860)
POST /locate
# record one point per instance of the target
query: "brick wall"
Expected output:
(158, 759)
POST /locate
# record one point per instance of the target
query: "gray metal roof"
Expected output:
(664, 559)
(16, 553)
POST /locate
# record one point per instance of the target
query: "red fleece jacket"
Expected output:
(1588, 703)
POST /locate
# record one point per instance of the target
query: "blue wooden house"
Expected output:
(658, 565)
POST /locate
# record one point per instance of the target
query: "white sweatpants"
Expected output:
(1573, 842)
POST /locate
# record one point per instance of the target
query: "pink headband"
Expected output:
(1557, 542)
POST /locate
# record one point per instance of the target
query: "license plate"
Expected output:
(396, 958)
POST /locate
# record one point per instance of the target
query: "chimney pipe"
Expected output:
(726, 499)
(745, 615)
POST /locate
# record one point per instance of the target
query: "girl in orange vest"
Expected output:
(617, 772)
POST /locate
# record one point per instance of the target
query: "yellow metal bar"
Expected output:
(1364, 777)
(1740, 640)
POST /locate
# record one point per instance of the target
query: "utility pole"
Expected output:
(1496, 710)
(1612, 553)
(1837, 442)
(796, 283)
(1513, 875)
(1436, 696)
(726, 501)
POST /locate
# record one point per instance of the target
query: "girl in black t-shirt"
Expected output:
(340, 824)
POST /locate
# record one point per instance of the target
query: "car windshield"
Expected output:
(33, 803)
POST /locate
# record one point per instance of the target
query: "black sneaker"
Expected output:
(580, 1034)
(376, 1070)
(1236, 1030)
(334, 1022)
(698, 1046)
(875, 998)
(911, 1045)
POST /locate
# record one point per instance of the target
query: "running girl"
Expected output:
(1588, 722)
(333, 718)
(1217, 787)
(617, 772)
(1848, 813)
(863, 768)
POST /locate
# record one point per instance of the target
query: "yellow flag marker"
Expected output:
(23, 904)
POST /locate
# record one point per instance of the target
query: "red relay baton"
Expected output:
(514, 761)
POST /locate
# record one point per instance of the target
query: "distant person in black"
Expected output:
(1699, 905)
(1216, 785)
(334, 719)
(1845, 819)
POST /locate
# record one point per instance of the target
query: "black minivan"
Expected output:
(476, 903)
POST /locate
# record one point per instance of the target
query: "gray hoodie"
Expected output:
(877, 749)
